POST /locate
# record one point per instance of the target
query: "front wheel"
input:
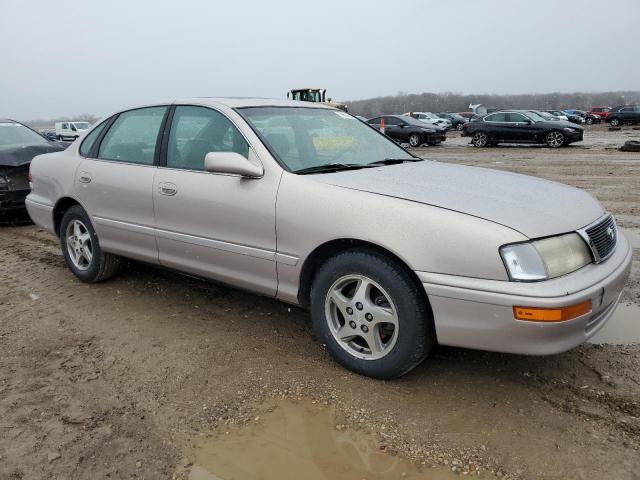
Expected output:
(615, 122)
(555, 139)
(415, 140)
(589, 121)
(81, 248)
(480, 139)
(459, 126)
(371, 315)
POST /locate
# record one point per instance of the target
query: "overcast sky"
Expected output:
(82, 56)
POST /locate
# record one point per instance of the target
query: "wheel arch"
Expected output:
(62, 205)
(329, 249)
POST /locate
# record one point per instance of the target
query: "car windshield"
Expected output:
(13, 134)
(303, 138)
(81, 125)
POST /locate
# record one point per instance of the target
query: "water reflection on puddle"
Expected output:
(623, 328)
(299, 440)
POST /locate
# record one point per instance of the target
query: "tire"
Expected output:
(415, 140)
(555, 139)
(371, 346)
(59, 138)
(81, 248)
(480, 139)
(615, 122)
(589, 121)
(631, 146)
(459, 126)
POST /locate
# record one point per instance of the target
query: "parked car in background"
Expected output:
(457, 121)
(431, 118)
(589, 118)
(404, 128)
(521, 126)
(70, 130)
(248, 192)
(467, 114)
(602, 112)
(49, 135)
(558, 114)
(627, 114)
(18, 145)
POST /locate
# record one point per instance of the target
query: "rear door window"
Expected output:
(517, 117)
(133, 136)
(496, 117)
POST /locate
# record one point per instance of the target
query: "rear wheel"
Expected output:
(555, 139)
(589, 121)
(615, 122)
(371, 315)
(459, 127)
(81, 248)
(480, 139)
(415, 140)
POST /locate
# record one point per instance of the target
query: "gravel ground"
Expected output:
(107, 380)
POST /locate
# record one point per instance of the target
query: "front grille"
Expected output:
(602, 238)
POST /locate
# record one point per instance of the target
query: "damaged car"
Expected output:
(18, 145)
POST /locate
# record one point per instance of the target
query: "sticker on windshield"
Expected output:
(343, 115)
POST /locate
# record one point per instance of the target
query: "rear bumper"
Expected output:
(12, 200)
(41, 214)
(475, 313)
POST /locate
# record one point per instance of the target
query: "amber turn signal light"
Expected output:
(535, 314)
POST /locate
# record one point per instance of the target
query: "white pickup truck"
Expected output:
(70, 130)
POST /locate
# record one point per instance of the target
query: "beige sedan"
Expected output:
(308, 204)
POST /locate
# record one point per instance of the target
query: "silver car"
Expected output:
(305, 203)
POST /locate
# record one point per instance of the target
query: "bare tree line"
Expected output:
(40, 123)
(454, 102)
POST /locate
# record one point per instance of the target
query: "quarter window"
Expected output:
(90, 139)
(196, 131)
(132, 137)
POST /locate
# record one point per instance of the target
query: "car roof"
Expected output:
(239, 102)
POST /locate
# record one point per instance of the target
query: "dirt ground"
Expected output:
(123, 379)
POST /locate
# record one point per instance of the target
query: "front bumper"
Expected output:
(435, 137)
(576, 136)
(12, 200)
(477, 313)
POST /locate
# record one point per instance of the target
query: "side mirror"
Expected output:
(73, 128)
(232, 163)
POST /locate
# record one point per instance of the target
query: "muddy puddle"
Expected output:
(623, 328)
(299, 440)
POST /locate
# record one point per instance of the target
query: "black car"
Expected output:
(457, 120)
(410, 130)
(18, 145)
(624, 114)
(521, 126)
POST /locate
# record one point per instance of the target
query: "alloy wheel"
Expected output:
(555, 139)
(362, 317)
(79, 247)
(480, 139)
(414, 140)
(615, 122)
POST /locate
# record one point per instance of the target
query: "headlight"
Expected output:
(428, 130)
(570, 130)
(547, 258)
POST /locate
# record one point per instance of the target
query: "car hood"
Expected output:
(15, 156)
(532, 206)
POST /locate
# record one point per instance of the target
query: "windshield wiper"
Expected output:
(393, 161)
(331, 167)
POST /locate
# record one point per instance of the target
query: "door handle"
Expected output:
(84, 177)
(168, 189)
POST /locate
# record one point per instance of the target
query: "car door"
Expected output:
(520, 128)
(392, 128)
(218, 226)
(496, 126)
(114, 183)
(636, 114)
